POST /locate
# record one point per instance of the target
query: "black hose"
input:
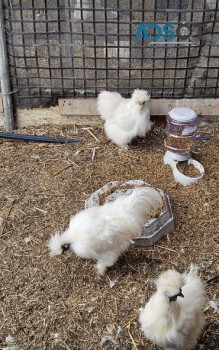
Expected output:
(204, 138)
(35, 138)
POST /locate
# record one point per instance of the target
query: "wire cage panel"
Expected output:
(67, 48)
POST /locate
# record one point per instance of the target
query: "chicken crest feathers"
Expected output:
(140, 96)
(170, 282)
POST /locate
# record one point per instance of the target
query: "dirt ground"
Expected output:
(60, 303)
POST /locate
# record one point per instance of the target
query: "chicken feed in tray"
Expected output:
(160, 224)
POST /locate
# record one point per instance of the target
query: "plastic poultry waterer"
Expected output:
(155, 228)
(180, 140)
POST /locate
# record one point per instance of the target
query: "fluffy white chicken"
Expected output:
(172, 323)
(125, 118)
(104, 232)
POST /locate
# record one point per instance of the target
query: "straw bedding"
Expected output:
(60, 303)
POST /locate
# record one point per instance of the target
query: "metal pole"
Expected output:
(4, 77)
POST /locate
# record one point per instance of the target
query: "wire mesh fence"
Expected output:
(67, 48)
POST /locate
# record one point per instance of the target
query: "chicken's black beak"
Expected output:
(180, 295)
(65, 247)
(174, 297)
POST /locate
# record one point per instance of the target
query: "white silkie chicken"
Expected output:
(104, 232)
(172, 323)
(125, 118)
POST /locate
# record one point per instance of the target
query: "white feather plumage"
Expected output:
(104, 232)
(175, 325)
(125, 118)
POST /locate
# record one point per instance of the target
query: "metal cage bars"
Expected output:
(65, 48)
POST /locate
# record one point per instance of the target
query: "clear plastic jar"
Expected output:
(181, 130)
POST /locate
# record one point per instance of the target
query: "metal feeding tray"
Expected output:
(154, 229)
